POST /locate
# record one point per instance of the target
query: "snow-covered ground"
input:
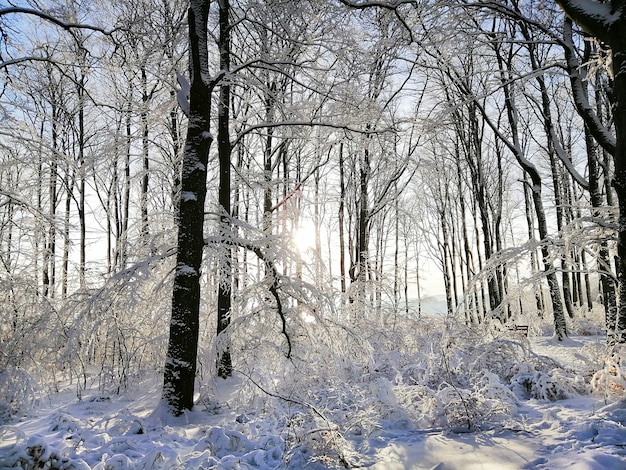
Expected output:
(506, 403)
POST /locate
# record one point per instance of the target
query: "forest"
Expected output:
(328, 219)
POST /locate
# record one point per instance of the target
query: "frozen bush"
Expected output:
(527, 382)
(17, 393)
(611, 379)
(37, 453)
(499, 398)
(498, 357)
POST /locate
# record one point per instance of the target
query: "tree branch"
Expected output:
(267, 125)
(599, 131)
(594, 17)
(54, 20)
(273, 288)
(389, 5)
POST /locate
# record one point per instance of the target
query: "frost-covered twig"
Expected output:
(289, 400)
(273, 288)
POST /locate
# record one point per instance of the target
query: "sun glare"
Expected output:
(304, 237)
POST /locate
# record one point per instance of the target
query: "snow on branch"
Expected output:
(269, 264)
(391, 5)
(596, 18)
(602, 135)
(388, 5)
(567, 161)
(267, 125)
(182, 95)
(54, 20)
(20, 60)
(68, 26)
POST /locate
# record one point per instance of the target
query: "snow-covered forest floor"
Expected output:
(440, 395)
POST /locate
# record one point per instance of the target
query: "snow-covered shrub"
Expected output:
(30, 336)
(589, 322)
(487, 400)
(115, 334)
(37, 453)
(312, 441)
(18, 392)
(418, 402)
(497, 356)
(586, 326)
(528, 382)
(611, 379)
(499, 399)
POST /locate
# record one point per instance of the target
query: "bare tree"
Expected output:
(180, 364)
(606, 21)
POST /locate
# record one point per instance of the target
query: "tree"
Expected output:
(180, 363)
(560, 327)
(224, 298)
(607, 22)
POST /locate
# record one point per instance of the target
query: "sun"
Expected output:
(303, 237)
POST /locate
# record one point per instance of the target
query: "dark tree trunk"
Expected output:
(560, 325)
(180, 364)
(607, 21)
(445, 264)
(362, 248)
(145, 162)
(618, 326)
(533, 253)
(82, 180)
(342, 199)
(224, 299)
(49, 253)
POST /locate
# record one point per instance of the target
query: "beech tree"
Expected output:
(397, 122)
(607, 22)
(224, 294)
(182, 350)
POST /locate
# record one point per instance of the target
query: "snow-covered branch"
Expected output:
(388, 5)
(596, 18)
(567, 161)
(586, 111)
(273, 288)
(346, 128)
(54, 20)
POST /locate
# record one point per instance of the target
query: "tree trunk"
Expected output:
(82, 183)
(362, 249)
(618, 327)
(49, 263)
(604, 262)
(342, 198)
(607, 23)
(445, 264)
(145, 162)
(560, 326)
(180, 363)
(224, 299)
(533, 253)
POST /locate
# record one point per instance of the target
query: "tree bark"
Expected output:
(341, 217)
(224, 299)
(607, 21)
(145, 161)
(180, 363)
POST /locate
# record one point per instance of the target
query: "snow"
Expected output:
(189, 196)
(532, 404)
(182, 95)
